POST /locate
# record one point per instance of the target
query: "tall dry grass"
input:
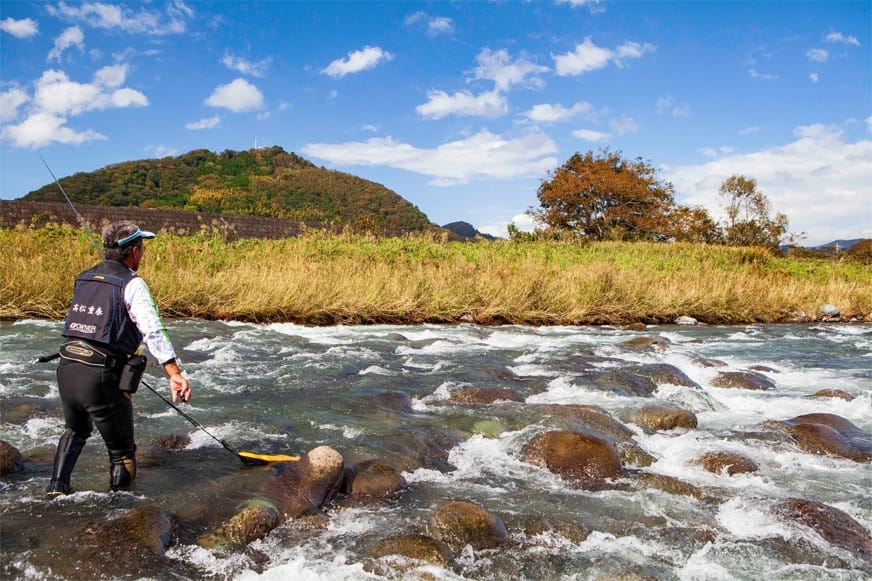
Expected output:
(329, 279)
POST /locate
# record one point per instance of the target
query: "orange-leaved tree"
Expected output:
(606, 197)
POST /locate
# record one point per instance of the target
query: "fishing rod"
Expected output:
(76, 212)
(248, 458)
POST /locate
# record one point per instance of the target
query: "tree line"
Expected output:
(603, 196)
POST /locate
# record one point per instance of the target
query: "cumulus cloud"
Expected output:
(480, 156)
(623, 125)
(497, 66)
(24, 28)
(435, 25)
(819, 180)
(72, 36)
(817, 55)
(589, 57)
(246, 67)
(205, 123)
(56, 98)
(463, 103)
(238, 96)
(841, 38)
(127, 17)
(548, 113)
(364, 59)
(591, 135)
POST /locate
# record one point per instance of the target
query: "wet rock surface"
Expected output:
(823, 433)
(10, 459)
(656, 417)
(582, 458)
(834, 525)
(461, 523)
(743, 380)
(728, 463)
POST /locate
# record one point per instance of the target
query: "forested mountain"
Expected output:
(264, 182)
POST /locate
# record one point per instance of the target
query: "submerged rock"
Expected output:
(833, 393)
(373, 479)
(834, 525)
(255, 522)
(460, 523)
(655, 417)
(581, 458)
(10, 459)
(743, 380)
(672, 485)
(417, 548)
(645, 344)
(661, 373)
(727, 462)
(484, 395)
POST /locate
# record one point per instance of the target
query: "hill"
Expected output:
(262, 182)
(466, 230)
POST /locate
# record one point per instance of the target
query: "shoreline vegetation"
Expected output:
(329, 279)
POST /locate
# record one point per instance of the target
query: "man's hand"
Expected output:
(179, 386)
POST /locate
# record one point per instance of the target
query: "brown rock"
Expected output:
(398, 401)
(637, 326)
(743, 380)
(484, 395)
(672, 485)
(581, 458)
(729, 462)
(834, 393)
(255, 522)
(834, 525)
(654, 417)
(374, 478)
(645, 344)
(831, 435)
(301, 488)
(462, 523)
(10, 459)
(416, 547)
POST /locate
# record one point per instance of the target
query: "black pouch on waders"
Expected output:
(131, 373)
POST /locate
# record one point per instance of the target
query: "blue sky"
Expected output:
(462, 108)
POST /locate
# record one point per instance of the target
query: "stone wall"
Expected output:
(21, 214)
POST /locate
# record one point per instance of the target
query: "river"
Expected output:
(284, 388)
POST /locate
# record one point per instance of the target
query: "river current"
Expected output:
(284, 388)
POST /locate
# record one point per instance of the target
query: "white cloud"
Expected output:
(749, 130)
(593, 5)
(819, 180)
(839, 37)
(755, 74)
(205, 123)
(481, 156)
(814, 77)
(72, 36)
(623, 126)
(817, 55)
(667, 105)
(591, 135)
(254, 69)
(548, 113)
(24, 28)
(463, 103)
(238, 96)
(10, 101)
(435, 25)
(123, 17)
(40, 129)
(589, 57)
(364, 59)
(159, 151)
(497, 66)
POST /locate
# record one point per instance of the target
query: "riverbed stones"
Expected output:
(583, 459)
(484, 395)
(829, 312)
(461, 523)
(301, 488)
(829, 434)
(833, 393)
(10, 459)
(743, 380)
(252, 523)
(725, 462)
(373, 479)
(645, 344)
(413, 547)
(658, 417)
(835, 526)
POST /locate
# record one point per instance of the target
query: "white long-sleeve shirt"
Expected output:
(144, 314)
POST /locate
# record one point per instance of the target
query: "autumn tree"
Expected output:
(748, 215)
(693, 224)
(605, 197)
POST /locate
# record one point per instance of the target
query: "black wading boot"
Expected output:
(69, 447)
(122, 471)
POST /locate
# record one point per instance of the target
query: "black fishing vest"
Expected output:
(98, 313)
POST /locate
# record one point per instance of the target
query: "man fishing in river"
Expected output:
(112, 312)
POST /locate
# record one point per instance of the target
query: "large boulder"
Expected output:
(743, 380)
(460, 523)
(661, 373)
(10, 459)
(829, 434)
(301, 488)
(253, 523)
(582, 458)
(834, 525)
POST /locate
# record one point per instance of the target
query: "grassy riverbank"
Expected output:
(320, 279)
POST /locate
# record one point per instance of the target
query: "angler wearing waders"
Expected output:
(112, 312)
